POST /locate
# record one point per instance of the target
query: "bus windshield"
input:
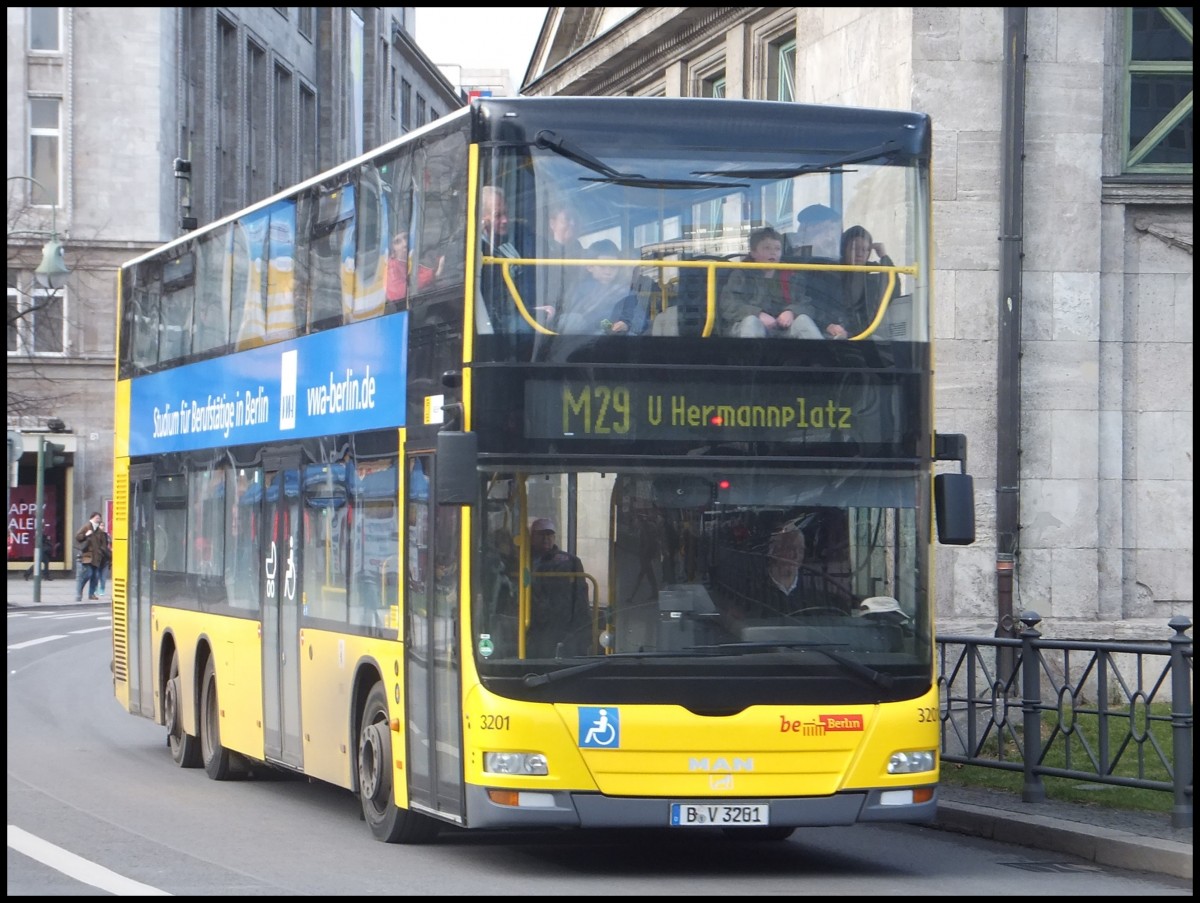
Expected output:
(665, 574)
(670, 226)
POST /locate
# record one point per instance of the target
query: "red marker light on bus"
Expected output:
(722, 484)
(716, 420)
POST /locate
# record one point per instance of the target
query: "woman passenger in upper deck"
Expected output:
(859, 293)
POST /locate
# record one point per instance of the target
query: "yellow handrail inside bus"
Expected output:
(711, 266)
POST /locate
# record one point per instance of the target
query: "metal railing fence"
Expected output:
(1108, 712)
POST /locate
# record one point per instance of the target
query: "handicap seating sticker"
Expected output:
(600, 727)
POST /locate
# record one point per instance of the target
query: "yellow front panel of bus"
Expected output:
(664, 750)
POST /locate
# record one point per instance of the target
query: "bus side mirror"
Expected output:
(954, 508)
(457, 477)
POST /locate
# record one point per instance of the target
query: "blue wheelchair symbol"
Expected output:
(599, 728)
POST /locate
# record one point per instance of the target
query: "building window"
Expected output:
(405, 104)
(284, 130)
(44, 141)
(226, 69)
(44, 29)
(420, 110)
(258, 159)
(1158, 80)
(309, 161)
(781, 69)
(14, 312)
(35, 320)
(713, 86)
(304, 21)
(394, 93)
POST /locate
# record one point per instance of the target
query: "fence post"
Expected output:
(1181, 723)
(1034, 791)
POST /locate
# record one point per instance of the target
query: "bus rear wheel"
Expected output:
(388, 822)
(185, 749)
(217, 759)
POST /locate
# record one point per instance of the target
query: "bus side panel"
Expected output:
(118, 532)
(332, 665)
(236, 647)
(119, 538)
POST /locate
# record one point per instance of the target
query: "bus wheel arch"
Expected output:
(373, 760)
(185, 749)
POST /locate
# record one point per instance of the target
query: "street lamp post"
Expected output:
(52, 272)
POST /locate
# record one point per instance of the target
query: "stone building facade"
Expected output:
(128, 125)
(1063, 240)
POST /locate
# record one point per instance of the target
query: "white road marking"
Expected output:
(73, 866)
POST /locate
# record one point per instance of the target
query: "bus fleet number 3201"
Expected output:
(698, 815)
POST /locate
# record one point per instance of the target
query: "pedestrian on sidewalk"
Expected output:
(106, 558)
(90, 544)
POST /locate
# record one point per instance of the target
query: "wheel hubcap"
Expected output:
(373, 755)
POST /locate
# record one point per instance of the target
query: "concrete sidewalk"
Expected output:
(1141, 841)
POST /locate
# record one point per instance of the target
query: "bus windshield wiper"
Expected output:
(551, 141)
(537, 680)
(857, 668)
(887, 149)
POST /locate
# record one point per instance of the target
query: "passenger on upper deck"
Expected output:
(560, 282)
(397, 268)
(603, 302)
(753, 303)
(816, 238)
(494, 242)
(851, 306)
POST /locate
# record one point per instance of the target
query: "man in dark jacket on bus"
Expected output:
(558, 623)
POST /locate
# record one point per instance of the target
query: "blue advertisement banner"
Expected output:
(343, 380)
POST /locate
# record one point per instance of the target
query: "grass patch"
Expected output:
(1063, 789)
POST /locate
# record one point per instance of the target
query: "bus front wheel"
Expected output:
(216, 757)
(388, 822)
(185, 749)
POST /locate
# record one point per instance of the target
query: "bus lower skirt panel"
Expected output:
(563, 809)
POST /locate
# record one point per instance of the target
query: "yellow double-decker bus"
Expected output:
(560, 464)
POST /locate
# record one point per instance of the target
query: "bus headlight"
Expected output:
(515, 763)
(912, 761)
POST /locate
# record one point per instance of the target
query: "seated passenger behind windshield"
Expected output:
(846, 305)
(753, 304)
(602, 303)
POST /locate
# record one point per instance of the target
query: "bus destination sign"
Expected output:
(641, 410)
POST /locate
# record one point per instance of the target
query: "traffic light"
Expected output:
(55, 455)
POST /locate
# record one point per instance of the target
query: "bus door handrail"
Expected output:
(711, 266)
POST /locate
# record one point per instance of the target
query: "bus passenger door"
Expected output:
(281, 595)
(138, 589)
(432, 704)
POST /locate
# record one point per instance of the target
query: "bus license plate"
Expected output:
(703, 815)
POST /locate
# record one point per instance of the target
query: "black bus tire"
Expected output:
(389, 823)
(217, 759)
(185, 749)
